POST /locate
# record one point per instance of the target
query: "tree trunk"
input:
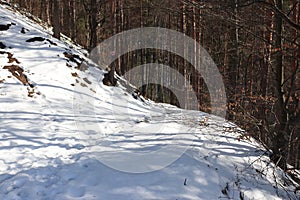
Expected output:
(280, 135)
(56, 19)
(93, 23)
(73, 31)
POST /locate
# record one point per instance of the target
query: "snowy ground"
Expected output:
(64, 135)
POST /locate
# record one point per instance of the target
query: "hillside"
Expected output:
(65, 135)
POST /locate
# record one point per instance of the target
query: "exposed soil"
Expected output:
(24, 30)
(2, 45)
(4, 27)
(17, 72)
(40, 39)
(74, 58)
(11, 59)
(87, 81)
(109, 79)
(74, 74)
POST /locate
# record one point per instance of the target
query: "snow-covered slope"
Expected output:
(64, 135)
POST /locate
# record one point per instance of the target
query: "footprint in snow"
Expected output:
(76, 192)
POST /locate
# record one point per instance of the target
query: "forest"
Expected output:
(254, 43)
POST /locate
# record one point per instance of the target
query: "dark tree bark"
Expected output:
(280, 135)
(56, 19)
(93, 23)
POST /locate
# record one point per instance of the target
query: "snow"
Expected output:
(75, 140)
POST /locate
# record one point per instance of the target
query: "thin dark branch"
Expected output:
(276, 10)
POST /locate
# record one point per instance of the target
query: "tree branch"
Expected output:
(277, 11)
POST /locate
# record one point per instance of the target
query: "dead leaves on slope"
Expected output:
(18, 73)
